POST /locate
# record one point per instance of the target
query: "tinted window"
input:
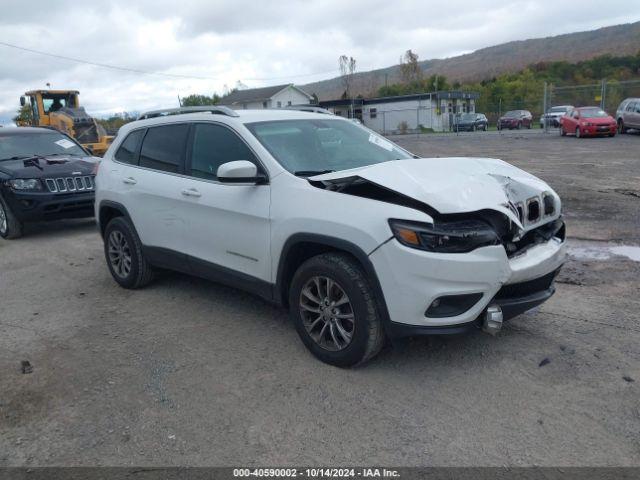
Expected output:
(127, 153)
(214, 145)
(163, 147)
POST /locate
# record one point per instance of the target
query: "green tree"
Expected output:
(196, 100)
(24, 116)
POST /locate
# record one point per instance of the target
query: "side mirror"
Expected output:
(240, 171)
(23, 101)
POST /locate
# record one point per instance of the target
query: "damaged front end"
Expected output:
(516, 210)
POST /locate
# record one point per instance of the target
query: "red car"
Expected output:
(588, 122)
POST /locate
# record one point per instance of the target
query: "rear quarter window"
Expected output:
(128, 151)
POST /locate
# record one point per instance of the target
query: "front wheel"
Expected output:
(333, 307)
(10, 226)
(123, 252)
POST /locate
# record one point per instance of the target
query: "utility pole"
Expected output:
(603, 93)
(545, 123)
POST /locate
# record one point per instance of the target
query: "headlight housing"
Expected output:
(458, 236)
(32, 184)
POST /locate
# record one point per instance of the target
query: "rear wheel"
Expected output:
(621, 128)
(123, 252)
(333, 307)
(10, 226)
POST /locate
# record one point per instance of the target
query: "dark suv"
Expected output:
(44, 175)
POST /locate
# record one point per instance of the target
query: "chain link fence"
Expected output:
(431, 116)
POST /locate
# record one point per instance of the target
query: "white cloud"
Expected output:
(259, 43)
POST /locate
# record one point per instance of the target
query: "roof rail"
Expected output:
(308, 108)
(218, 110)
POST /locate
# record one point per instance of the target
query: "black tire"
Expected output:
(10, 227)
(621, 128)
(367, 335)
(529, 126)
(140, 273)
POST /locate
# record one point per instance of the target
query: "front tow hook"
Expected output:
(492, 321)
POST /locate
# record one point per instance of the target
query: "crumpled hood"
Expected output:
(453, 185)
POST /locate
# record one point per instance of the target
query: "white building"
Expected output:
(406, 113)
(278, 96)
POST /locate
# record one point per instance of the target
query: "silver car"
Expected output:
(628, 115)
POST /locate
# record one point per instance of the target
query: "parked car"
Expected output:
(359, 238)
(470, 122)
(515, 119)
(553, 115)
(588, 122)
(628, 115)
(44, 175)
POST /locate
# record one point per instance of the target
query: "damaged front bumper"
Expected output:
(413, 280)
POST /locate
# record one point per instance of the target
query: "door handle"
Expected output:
(129, 181)
(190, 192)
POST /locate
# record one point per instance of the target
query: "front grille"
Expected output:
(533, 210)
(70, 184)
(524, 289)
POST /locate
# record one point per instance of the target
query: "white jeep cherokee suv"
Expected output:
(360, 239)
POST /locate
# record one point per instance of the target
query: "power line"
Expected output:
(146, 72)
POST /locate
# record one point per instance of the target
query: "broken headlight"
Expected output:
(25, 184)
(456, 236)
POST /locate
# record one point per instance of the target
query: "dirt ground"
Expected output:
(187, 372)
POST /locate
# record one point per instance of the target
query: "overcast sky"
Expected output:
(257, 42)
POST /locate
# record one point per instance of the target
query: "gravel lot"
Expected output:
(187, 372)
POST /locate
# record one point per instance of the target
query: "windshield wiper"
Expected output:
(17, 157)
(311, 173)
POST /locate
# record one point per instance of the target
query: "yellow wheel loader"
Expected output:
(60, 109)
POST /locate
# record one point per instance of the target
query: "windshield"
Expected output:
(559, 109)
(38, 144)
(593, 113)
(467, 117)
(513, 114)
(308, 147)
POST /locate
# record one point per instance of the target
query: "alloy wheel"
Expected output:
(327, 313)
(119, 254)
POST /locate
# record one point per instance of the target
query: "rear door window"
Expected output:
(128, 151)
(163, 148)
